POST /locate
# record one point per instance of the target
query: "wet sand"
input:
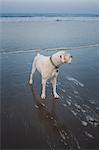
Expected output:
(70, 122)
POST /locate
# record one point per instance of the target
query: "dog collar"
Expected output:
(56, 67)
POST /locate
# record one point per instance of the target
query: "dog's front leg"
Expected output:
(43, 95)
(54, 87)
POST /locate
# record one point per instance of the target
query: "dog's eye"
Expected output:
(60, 56)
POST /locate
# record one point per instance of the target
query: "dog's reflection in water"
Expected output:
(57, 135)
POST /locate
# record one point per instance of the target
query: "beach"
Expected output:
(27, 121)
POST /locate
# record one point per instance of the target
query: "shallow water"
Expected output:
(71, 122)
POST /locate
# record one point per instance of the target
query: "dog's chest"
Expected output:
(49, 73)
(54, 73)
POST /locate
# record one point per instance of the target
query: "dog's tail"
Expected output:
(32, 70)
(33, 67)
(34, 64)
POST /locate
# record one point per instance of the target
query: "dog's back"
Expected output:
(41, 62)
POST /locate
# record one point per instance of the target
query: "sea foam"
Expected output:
(75, 81)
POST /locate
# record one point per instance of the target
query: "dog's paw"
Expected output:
(43, 96)
(56, 95)
(30, 82)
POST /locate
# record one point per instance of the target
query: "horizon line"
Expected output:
(49, 13)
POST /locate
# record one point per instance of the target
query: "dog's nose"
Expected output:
(71, 56)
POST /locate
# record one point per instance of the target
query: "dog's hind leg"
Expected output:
(33, 71)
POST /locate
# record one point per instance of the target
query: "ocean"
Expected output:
(59, 26)
(27, 121)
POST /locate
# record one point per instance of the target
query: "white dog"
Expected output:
(48, 67)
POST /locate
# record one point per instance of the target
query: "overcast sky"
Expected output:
(43, 6)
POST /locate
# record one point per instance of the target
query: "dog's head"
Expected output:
(65, 58)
